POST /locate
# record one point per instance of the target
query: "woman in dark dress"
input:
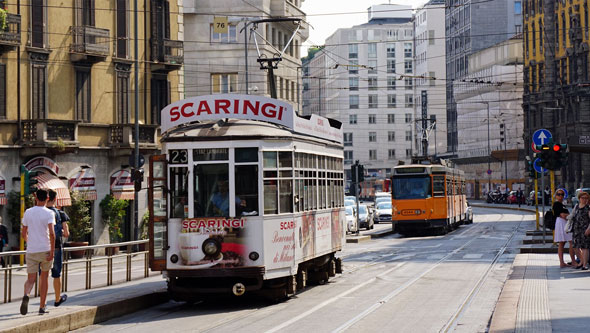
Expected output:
(581, 221)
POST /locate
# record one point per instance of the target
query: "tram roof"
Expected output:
(434, 168)
(223, 108)
(235, 129)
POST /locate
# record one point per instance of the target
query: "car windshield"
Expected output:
(384, 205)
(349, 203)
(412, 187)
(348, 210)
(362, 209)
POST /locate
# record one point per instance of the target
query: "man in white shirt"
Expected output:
(37, 229)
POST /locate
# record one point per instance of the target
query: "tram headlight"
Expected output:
(174, 258)
(253, 256)
(211, 247)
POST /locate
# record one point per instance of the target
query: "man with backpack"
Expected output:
(61, 230)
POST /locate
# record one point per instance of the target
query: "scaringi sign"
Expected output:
(215, 107)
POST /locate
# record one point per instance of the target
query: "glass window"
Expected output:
(411, 188)
(373, 101)
(372, 119)
(270, 197)
(353, 83)
(438, 183)
(390, 66)
(224, 83)
(408, 118)
(286, 196)
(270, 159)
(211, 191)
(285, 159)
(179, 192)
(353, 51)
(354, 101)
(391, 136)
(391, 118)
(353, 67)
(408, 50)
(352, 119)
(391, 101)
(372, 50)
(229, 37)
(372, 67)
(372, 83)
(246, 155)
(372, 136)
(372, 154)
(390, 50)
(391, 154)
(391, 83)
(408, 66)
(347, 139)
(246, 178)
(517, 7)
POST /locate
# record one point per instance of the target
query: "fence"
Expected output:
(87, 258)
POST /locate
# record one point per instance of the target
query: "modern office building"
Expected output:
(67, 96)
(218, 63)
(430, 70)
(557, 85)
(471, 26)
(366, 75)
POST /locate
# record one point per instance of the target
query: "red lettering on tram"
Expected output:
(174, 114)
(254, 108)
(222, 104)
(184, 114)
(203, 107)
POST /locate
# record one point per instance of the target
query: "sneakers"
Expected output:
(43, 310)
(62, 299)
(24, 305)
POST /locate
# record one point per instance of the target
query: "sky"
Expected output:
(353, 12)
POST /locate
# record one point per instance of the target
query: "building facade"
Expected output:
(366, 76)
(490, 120)
(430, 69)
(67, 94)
(217, 62)
(557, 90)
(473, 25)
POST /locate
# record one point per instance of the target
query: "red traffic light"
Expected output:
(556, 147)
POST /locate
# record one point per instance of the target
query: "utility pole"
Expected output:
(489, 151)
(136, 136)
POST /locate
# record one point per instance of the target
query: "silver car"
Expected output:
(382, 212)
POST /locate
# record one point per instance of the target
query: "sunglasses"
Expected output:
(560, 194)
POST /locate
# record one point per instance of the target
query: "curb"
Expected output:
(503, 207)
(88, 315)
(358, 239)
(382, 234)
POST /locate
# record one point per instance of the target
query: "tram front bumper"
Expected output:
(184, 285)
(416, 225)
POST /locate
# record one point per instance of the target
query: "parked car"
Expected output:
(348, 202)
(364, 220)
(382, 199)
(575, 197)
(350, 219)
(512, 198)
(382, 212)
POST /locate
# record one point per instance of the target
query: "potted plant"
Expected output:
(80, 223)
(144, 233)
(113, 213)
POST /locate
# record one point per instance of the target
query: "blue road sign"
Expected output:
(542, 136)
(538, 167)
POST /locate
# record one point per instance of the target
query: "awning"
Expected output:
(49, 181)
(83, 183)
(2, 191)
(122, 186)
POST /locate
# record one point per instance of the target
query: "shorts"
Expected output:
(36, 259)
(57, 263)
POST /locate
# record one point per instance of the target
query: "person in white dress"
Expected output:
(560, 236)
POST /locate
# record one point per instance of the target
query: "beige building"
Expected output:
(67, 92)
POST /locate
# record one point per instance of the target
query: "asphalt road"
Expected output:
(396, 284)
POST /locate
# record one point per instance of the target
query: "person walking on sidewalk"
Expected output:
(38, 231)
(560, 237)
(3, 241)
(581, 221)
(61, 229)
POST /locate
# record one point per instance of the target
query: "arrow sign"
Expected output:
(538, 167)
(540, 137)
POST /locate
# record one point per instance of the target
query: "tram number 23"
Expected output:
(179, 156)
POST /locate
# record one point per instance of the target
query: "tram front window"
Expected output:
(179, 192)
(412, 188)
(211, 194)
(247, 189)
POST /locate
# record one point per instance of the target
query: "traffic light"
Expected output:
(137, 177)
(31, 181)
(531, 170)
(501, 132)
(361, 172)
(561, 154)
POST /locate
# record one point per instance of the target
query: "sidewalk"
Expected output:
(83, 307)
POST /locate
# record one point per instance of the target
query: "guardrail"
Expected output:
(111, 253)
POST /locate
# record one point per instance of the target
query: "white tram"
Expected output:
(246, 196)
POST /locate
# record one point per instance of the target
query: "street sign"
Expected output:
(534, 146)
(538, 167)
(541, 136)
(489, 171)
(132, 160)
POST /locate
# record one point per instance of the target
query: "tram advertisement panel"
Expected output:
(208, 243)
(290, 240)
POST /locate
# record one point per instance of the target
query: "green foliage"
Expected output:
(80, 223)
(13, 209)
(3, 20)
(145, 222)
(113, 213)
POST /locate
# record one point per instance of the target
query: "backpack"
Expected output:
(58, 228)
(549, 220)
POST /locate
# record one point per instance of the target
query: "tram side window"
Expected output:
(246, 179)
(438, 183)
(449, 186)
(179, 192)
(211, 191)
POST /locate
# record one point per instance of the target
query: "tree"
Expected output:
(113, 212)
(80, 223)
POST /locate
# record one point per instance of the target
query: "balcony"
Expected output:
(167, 54)
(121, 137)
(10, 36)
(54, 135)
(89, 44)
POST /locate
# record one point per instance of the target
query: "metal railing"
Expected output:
(91, 40)
(88, 257)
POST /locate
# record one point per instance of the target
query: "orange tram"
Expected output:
(427, 198)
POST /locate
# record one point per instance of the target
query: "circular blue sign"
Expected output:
(489, 171)
(538, 167)
(542, 136)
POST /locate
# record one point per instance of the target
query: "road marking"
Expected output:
(473, 256)
(331, 300)
(436, 256)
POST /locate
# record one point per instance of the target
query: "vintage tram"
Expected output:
(427, 197)
(246, 196)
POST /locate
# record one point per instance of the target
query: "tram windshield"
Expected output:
(413, 187)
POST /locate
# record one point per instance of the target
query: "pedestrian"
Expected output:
(61, 230)
(38, 231)
(581, 233)
(561, 236)
(3, 241)
(547, 196)
(519, 196)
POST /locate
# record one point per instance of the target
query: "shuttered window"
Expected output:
(83, 97)
(38, 91)
(2, 91)
(122, 97)
(160, 91)
(122, 39)
(37, 24)
(86, 13)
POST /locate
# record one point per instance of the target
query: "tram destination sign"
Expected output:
(248, 107)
